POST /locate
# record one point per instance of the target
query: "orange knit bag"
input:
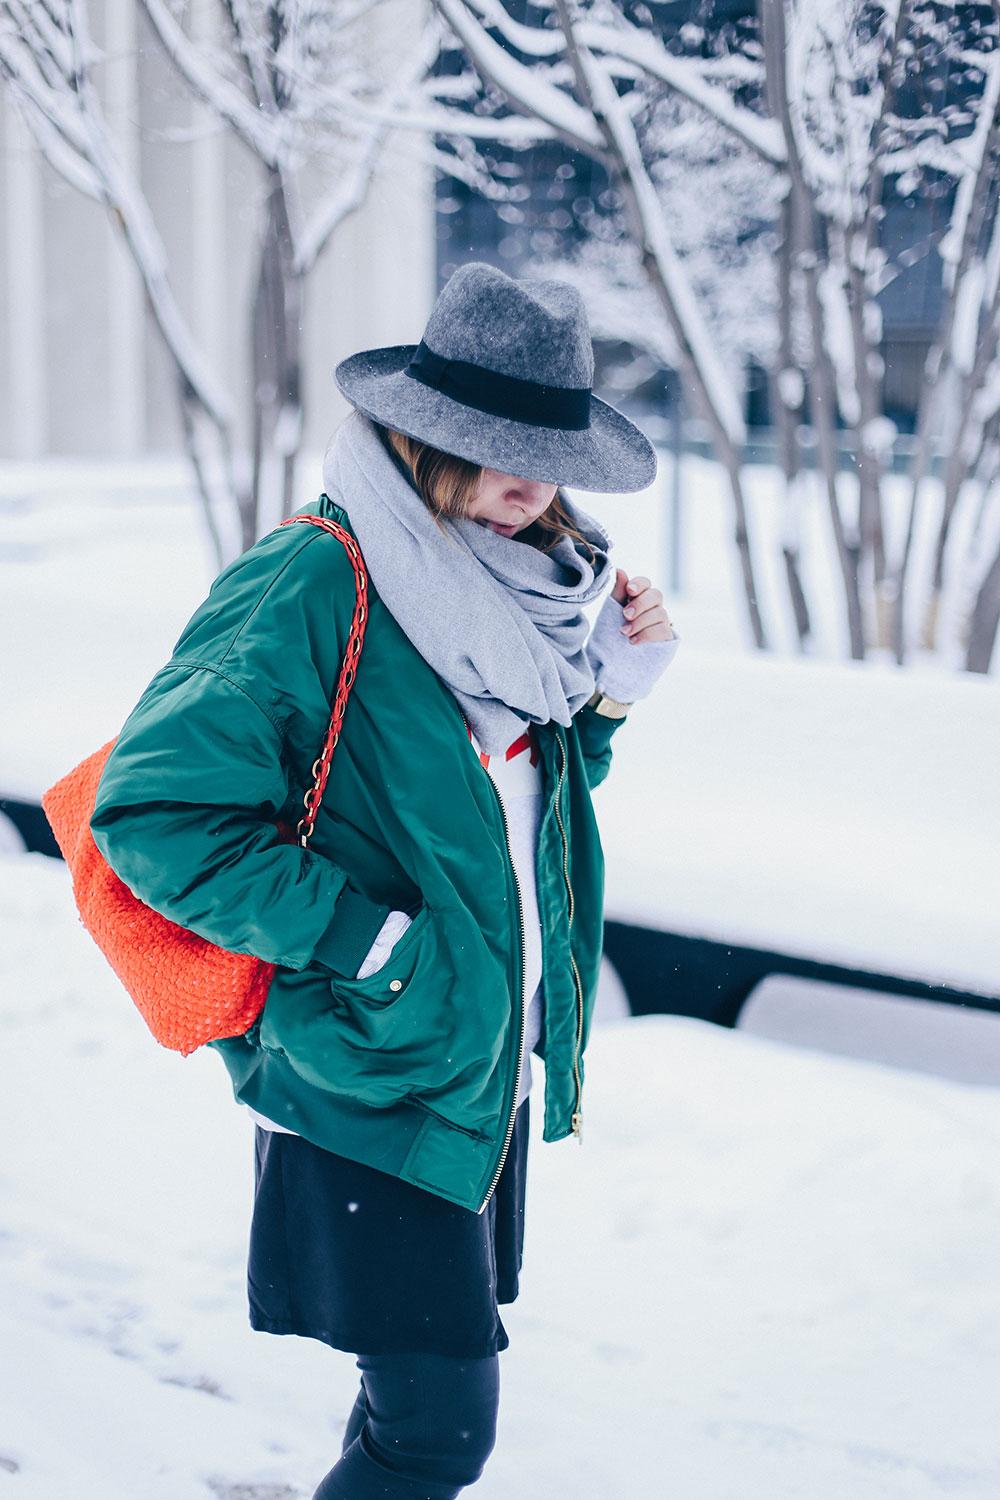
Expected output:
(188, 990)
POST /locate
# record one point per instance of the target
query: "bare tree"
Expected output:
(952, 369)
(593, 112)
(802, 250)
(833, 101)
(618, 71)
(831, 104)
(306, 91)
(882, 102)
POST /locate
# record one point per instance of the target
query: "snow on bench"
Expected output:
(848, 813)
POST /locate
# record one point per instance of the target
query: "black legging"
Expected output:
(422, 1428)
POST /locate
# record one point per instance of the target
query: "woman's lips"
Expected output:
(500, 530)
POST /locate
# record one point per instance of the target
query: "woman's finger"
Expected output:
(661, 631)
(646, 617)
(638, 604)
(652, 624)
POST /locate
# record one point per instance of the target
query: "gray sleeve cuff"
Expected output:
(621, 670)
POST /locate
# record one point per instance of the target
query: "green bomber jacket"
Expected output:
(414, 1069)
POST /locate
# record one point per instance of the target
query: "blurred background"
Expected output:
(782, 215)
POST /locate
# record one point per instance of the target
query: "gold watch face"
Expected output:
(609, 707)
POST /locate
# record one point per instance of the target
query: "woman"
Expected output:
(446, 920)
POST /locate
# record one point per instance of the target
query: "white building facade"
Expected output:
(83, 371)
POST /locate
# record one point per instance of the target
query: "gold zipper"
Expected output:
(577, 1117)
(524, 980)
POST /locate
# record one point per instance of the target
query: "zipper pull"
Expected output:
(578, 1125)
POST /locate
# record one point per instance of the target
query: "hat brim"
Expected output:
(610, 455)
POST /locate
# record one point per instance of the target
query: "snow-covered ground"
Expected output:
(848, 812)
(99, 570)
(100, 567)
(767, 1273)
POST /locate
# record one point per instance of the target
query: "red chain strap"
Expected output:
(348, 672)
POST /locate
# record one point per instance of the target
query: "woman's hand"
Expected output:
(646, 618)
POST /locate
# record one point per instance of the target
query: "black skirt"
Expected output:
(367, 1263)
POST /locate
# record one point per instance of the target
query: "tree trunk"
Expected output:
(967, 444)
(937, 371)
(940, 378)
(725, 450)
(276, 341)
(860, 242)
(823, 408)
(623, 157)
(985, 621)
(222, 500)
(731, 460)
(786, 386)
(868, 456)
(822, 391)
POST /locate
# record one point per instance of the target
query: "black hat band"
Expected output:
(502, 395)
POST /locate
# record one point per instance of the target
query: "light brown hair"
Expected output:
(447, 484)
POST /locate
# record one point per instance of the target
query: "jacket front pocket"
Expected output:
(431, 1022)
(387, 982)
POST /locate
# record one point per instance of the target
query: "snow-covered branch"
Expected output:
(36, 79)
(416, 110)
(68, 163)
(973, 155)
(263, 133)
(684, 77)
(349, 192)
(681, 306)
(512, 130)
(48, 40)
(348, 195)
(313, 92)
(254, 52)
(639, 48)
(64, 112)
(527, 90)
(531, 41)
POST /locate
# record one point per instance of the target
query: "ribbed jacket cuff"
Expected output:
(355, 924)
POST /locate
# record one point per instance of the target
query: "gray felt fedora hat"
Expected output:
(503, 378)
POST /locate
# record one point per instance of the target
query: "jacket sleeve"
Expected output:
(594, 731)
(186, 813)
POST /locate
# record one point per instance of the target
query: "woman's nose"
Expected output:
(533, 493)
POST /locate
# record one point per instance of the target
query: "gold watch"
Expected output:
(610, 708)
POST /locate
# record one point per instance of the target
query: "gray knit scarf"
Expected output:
(501, 623)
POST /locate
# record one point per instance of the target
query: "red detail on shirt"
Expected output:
(526, 741)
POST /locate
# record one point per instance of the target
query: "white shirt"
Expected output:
(517, 777)
(622, 671)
